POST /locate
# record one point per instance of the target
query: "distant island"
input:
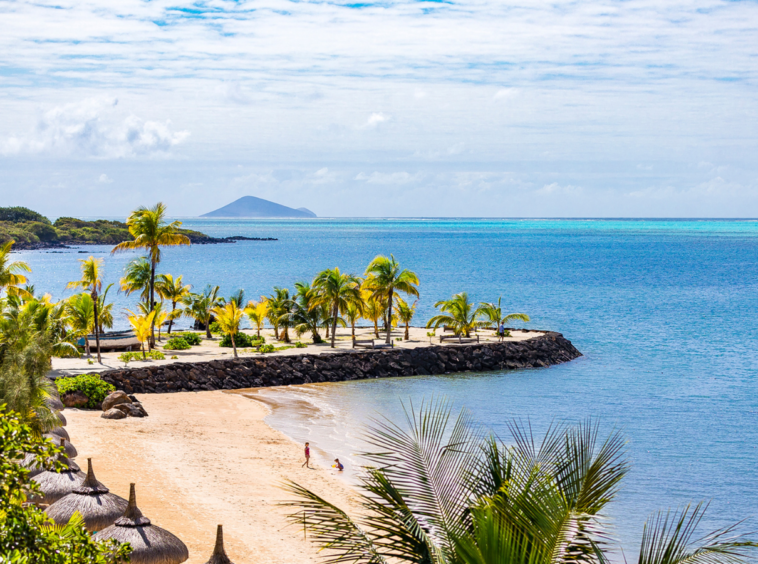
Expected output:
(252, 207)
(32, 230)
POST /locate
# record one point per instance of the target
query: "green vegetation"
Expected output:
(27, 535)
(177, 344)
(215, 328)
(228, 318)
(91, 385)
(440, 490)
(458, 313)
(384, 279)
(200, 307)
(193, 339)
(266, 349)
(242, 340)
(127, 357)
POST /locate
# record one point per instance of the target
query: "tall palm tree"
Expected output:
(256, 313)
(438, 490)
(228, 317)
(104, 310)
(336, 291)
(459, 314)
(303, 316)
(173, 290)
(405, 314)
(91, 281)
(80, 310)
(493, 313)
(137, 278)
(10, 272)
(200, 307)
(385, 278)
(277, 310)
(373, 310)
(353, 312)
(150, 230)
(142, 324)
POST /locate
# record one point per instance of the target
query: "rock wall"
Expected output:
(260, 371)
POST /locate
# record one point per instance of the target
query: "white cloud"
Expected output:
(505, 93)
(388, 177)
(104, 179)
(91, 128)
(375, 119)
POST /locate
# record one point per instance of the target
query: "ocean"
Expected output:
(663, 310)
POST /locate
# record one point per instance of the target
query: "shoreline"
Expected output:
(207, 458)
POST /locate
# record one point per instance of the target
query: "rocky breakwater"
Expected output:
(261, 371)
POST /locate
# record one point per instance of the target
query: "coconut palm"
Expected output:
(238, 298)
(200, 306)
(373, 309)
(142, 324)
(173, 290)
(228, 318)
(80, 309)
(353, 312)
(104, 310)
(137, 278)
(493, 314)
(303, 316)
(405, 314)
(336, 291)
(91, 281)
(256, 313)
(440, 491)
(278, 309)
(150, 230)
(459, 314)
(385, 279)
(10, 272)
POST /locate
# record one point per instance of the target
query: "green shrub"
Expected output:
(216, 328)
(300, 345)
(176, 344)
(266, 348)
(19, 214)
(127, 357)
(89, 384)
(191, 338)
(242, 340)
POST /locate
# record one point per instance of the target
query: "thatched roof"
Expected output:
(30, 463)
(219, 554)
(60, 432)
(93, 500)
(70, 449)
(150, 544)
(55, 485)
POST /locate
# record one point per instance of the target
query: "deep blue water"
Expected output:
(664, 312)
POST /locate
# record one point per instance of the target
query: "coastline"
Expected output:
(207, 458)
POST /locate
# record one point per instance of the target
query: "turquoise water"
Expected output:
(664, 311)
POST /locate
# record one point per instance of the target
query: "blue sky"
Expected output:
(393, 108)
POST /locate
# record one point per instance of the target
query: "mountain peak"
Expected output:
(252, 207)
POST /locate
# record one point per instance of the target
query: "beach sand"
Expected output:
(208, 458)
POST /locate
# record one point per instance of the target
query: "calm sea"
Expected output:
(664, 312)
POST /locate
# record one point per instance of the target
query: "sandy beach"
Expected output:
(202, 459)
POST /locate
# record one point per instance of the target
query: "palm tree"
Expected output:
(142, 324)
(336, 291)
(228, 317)
(10, 272)
(238, 298)
(256, 313)
(91, 281)
(493, 314)
(137, 278)
(80, 309)
(277, 309)
(385, 279)
(200, 306)
(104, 310)
(303, 316)
(151, 232)
(353, 312)
(171, 289)
(373, 310)
(405, 314)
(438, 490)
(459, 314)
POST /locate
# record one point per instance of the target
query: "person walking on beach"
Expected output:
(307, 455)
(501, 331)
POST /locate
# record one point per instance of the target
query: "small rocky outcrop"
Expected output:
(113, 414)
(259, 371)
(131, 410)
(75, 399)
(115, 398)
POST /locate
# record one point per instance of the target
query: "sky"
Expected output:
(470, 108)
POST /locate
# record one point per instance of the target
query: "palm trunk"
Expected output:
(286, 335)
(376, 328)
(259, 331)
(151, 342)
(352, 327)
(142, 346)
(97, 327)
(86, 344)
(334, 323)
(171, 321)
(389, 318)
(234, 345)
(407, 331)
(208, 327)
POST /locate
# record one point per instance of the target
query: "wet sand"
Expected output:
(207, 458)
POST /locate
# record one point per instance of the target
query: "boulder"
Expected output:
(130, 409)
(113, 414)
(75, 399)
(114, 399)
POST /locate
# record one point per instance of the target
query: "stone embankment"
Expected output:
(261, 371)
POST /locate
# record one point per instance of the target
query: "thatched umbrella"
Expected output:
(54, 485)
(150, 544)
(60, 432)
(98, 507)
(219, 554)
(69, 448)
(54, 403)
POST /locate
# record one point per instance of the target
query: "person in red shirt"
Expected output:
(307, 455)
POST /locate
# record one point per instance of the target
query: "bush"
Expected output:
(191, 338)
(216, 328)
(176, 344)
(91, 385)
(242, 340)
(266, 348)
(127, 357)
(19, 214)
(300, 345)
